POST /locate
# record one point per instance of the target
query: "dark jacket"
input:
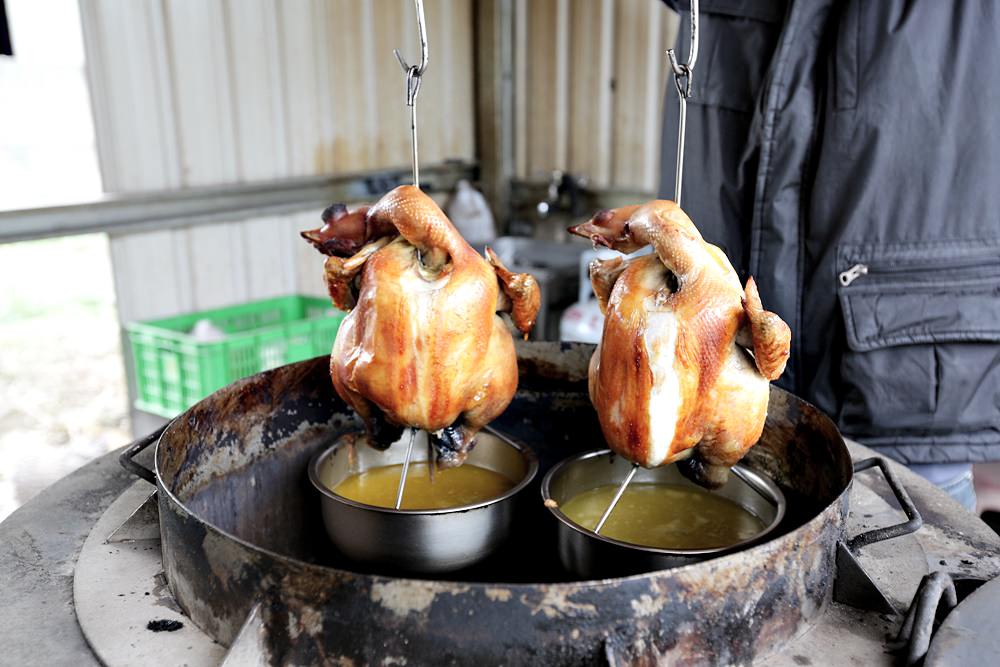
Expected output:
(827, 135)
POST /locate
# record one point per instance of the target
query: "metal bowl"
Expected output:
(421, 541)
(588, 554)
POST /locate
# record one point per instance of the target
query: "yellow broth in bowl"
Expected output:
(665, 516)
(450, 487)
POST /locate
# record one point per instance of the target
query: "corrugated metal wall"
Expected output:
(199, 92)
(589, 82)
(203, 92)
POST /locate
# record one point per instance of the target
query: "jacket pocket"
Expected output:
(922, 325)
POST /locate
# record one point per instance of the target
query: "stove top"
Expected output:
(58, 541)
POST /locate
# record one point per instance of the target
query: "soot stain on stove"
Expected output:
(164, 625)
(161, 591)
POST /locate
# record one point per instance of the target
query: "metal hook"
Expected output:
(413, 78)
(422, 32)
(685, 69)
(683, 75)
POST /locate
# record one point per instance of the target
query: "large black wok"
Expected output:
(241, 530)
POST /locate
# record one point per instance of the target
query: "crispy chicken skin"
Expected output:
(422, 345)
(672, 379)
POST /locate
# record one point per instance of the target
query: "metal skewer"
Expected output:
(413, 77)
(618, 496)
(406, 469)
(682, 81)
(683, 74)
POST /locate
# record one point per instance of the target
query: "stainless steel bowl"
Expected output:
(587, 554)
(423, 541)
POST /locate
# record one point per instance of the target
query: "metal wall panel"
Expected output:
(197, 92)
(201, 92)
(589, 83)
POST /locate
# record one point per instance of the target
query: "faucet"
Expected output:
(562, 185)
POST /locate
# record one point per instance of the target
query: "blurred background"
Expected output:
(159, 157)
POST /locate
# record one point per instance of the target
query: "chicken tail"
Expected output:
(770, 335)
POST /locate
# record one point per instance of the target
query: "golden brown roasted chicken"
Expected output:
(672, 379)
(422, 345)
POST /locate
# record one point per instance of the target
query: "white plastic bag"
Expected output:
(206, 332)
(471, 215)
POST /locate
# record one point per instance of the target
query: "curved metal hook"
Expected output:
(417, 70)
(683, 74)
(413, 78)
(692, 57)
(682, 81)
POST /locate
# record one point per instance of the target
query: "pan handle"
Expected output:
(126, 458)
(911, 525)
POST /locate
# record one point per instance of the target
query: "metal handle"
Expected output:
(853, 585)
(936, 591)
(914, 520)
(126, 458)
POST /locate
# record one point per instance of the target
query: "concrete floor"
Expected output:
(63, 397)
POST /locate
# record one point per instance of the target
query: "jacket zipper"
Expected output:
(850, 275)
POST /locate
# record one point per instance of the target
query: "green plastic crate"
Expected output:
(173, 371)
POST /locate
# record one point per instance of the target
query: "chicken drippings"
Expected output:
(448, 487)
(665, 516)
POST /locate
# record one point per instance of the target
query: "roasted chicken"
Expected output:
(423, 345)
(672, 379)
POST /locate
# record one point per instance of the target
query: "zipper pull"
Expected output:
(853, 273)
